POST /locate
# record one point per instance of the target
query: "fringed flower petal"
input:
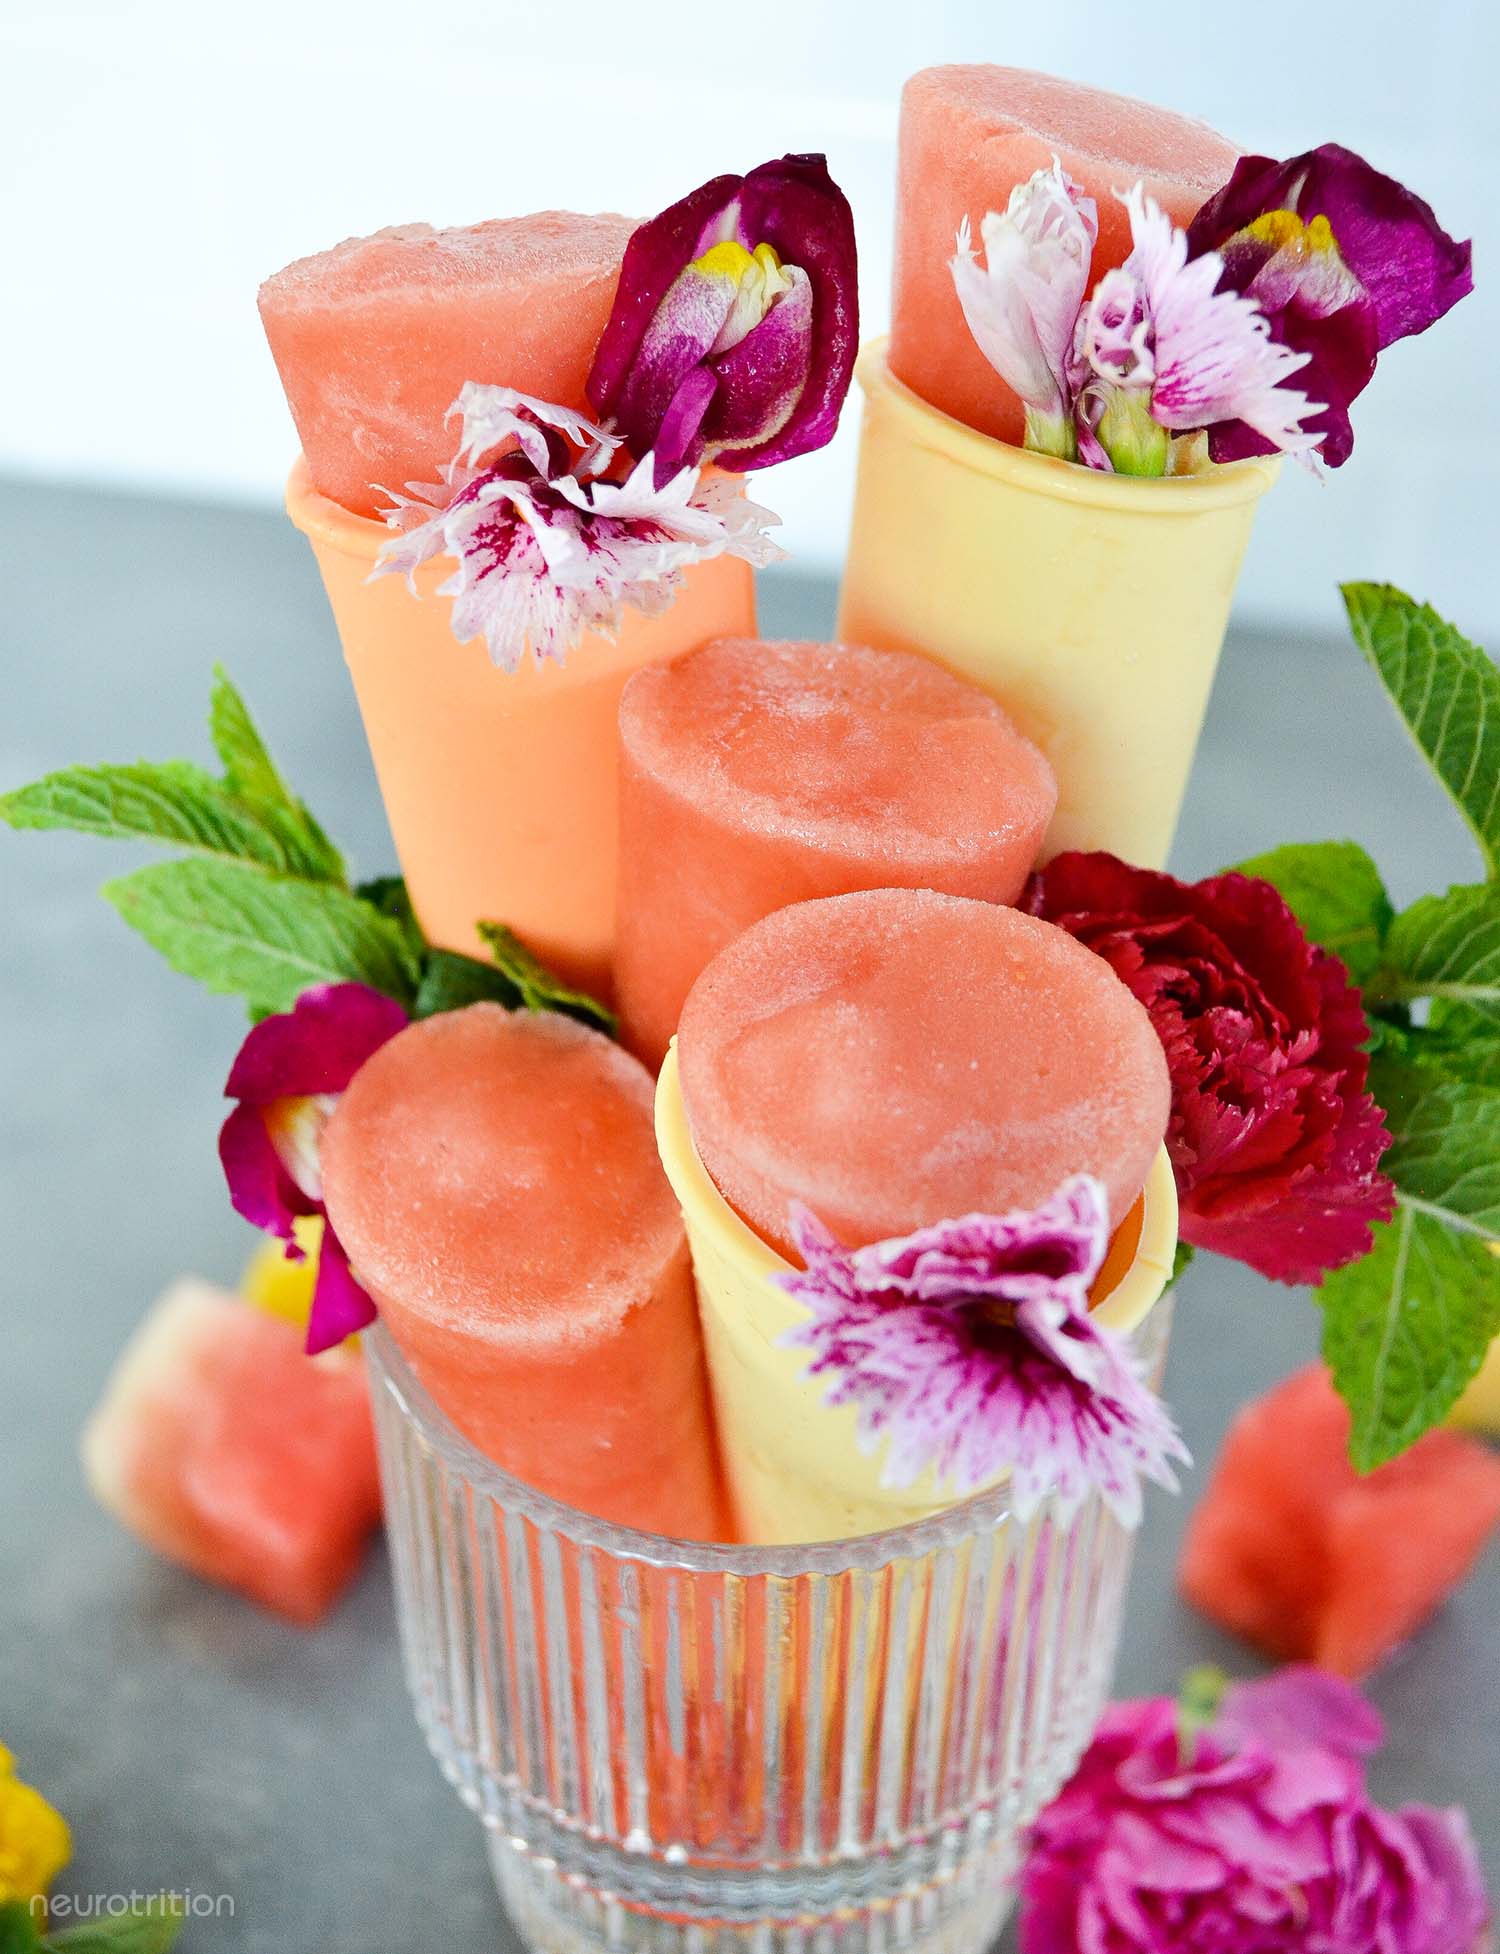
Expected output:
(969, 1348)
(546, 546)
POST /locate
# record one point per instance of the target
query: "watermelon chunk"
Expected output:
(374, 338)
(1293, 1549)
(221, 1446)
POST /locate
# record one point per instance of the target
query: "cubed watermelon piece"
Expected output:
(1296, 1551)
(374, 338)
(224, 1448)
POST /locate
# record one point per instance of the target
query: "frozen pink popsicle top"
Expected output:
(969, 134)
(881, 757)
(896, 1057)
(374, 338)
(496, 1172)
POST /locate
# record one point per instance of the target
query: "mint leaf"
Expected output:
(1335, 892)
(1461, 1042)
(147, 1927)
(170, 801)
(1447, 691)
(1445, 1158)
(536, 986)
(250, 771)
(450, 981)
(1449, 947)
(264, 937)
(1182, 1261)
(1406, 1328)
(18, 1929)
(389, 896)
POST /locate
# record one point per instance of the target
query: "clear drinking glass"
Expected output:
(691, 1749)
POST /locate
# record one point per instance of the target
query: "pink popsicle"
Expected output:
(969, 134)
(374, 338)
(493, 1176)
(755, 775)
(896, 1057)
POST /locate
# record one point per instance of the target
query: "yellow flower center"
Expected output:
(1284, 230)
(756, 279)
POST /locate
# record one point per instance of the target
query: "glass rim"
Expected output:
(864, 1552)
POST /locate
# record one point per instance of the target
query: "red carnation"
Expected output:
(1275, 1141)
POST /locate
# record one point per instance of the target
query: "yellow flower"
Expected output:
(34, 1840)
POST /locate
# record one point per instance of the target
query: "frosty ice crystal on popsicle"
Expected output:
(754, 775)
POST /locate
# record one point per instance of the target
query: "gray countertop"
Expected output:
(192, 1741)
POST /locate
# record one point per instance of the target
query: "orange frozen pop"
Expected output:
(754, 775)
(493, 1176)
(374, 338)
(895, 1057)
(969, 135)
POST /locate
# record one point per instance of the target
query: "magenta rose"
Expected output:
(1255, 1835)
(1275, 1142)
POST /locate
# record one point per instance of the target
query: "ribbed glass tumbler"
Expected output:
(689, 1749)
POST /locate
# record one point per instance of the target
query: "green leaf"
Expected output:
(1335, 892)
(450, 981)
(537, 987)
(169, 801)
(264, 937)
(389, 895)
(1406, 1328)
(1182, 1260)
(250, 771)
(1445, 1158)
(1447, 691)
(1200, 1696)
(1463, 1042)
(18, 1929)
(146, 1927)
(1449, 947)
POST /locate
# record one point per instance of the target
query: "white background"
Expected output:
(159, 157)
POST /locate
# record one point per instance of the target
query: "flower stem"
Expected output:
(1134, 442)
(1051, 434)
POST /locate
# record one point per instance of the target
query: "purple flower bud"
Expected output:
(736, 322)
(1342, 260)
(287, 1079)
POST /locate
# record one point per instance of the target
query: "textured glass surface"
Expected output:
(679, 1747)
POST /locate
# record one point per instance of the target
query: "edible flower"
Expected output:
(735, 324)
(1200, 1827)
(550, 538)
(1022, 305)
(970, 1348)
(1342, 260)
(1274, 1140)
(1163, 350)
(35, 1843)
(287, 1078)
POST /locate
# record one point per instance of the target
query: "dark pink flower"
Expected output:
(287, 1078)
(969, 1347)
(736, 322)
(1254, 1835)
(1342, 260)
(1274, 1140)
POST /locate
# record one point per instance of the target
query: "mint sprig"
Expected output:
(1406, 1328)
(258, 903)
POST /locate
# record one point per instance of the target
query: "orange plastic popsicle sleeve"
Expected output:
(500, 787)
(969, 135)
(896, 1057)
(494, 1179)
(374, 338)
(753, 775)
